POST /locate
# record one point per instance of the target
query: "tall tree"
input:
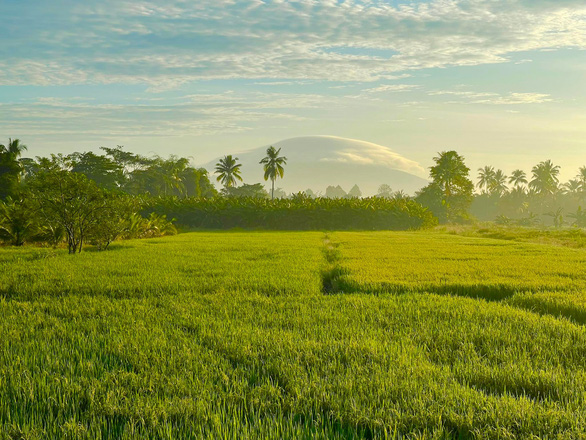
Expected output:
(10, 167)
(255, 191)
(498, 184)
(385, 191)
(581, 177)
(518, 178)
(545, 178)
(571, 187)
(273, 166)
(68, 200)
(485, 177)
(228, 171)
(450, 193)
(103, 170)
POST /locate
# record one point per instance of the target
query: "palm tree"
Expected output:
(451, 173)
(581, 177)
(498, 185)
(228, 171)
(451, 183)
(485, 177)
(573, 186)
(518, 178)
(169, 174)
(273, 167)
(10, 166)
(545, 177)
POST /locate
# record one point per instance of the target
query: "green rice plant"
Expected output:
(229, 335)
(266, 263)
(493, 269)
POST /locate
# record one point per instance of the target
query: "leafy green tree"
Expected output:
(197, 183)
(228, 171)
(113, 220)
(385, 191)
(255, 191)
(545, 178)
(451, 188)
(10, 167)
(103, 170)
(129, 161)
(273, 166)
(70, 201)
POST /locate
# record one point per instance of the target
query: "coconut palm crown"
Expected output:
(273, 166)
(228, 171)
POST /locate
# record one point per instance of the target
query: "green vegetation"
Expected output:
(297, 213)
(88, 198)
(538, 200)
(294, 335)
(273, 166)
(449, 194)
(468, 266)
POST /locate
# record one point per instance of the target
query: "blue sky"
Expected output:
(502, 82)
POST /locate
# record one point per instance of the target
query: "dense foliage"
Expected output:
(58, 205)
(537, 199)
(297, 213)
(449, 194)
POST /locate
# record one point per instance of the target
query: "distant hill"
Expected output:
(319, 161)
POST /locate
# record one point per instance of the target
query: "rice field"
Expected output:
(420, 335)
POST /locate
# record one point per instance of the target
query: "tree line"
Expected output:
(94, 198)
(530, 199)
(518, 199)
(98, 198)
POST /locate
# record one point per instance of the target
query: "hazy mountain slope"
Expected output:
(318, 161)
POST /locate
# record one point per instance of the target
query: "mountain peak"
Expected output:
(316, 162)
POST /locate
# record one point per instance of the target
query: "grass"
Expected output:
(570, 237)
(468, 266)
(233, 335)
(266, 263)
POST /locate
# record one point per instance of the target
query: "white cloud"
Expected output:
(167, 45)
(470, 97)
(516, 98)
(393, 88)
(364, 153)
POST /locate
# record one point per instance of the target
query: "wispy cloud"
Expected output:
(366, 153)
(393, 88)
(493, 98)
(167, 45)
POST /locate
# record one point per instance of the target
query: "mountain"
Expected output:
(319, 161)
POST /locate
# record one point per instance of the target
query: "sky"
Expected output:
(503, 82)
